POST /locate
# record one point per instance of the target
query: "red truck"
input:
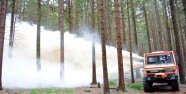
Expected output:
(160, 67)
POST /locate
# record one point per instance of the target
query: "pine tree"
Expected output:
(61, 29)
(123, 24)
(12, 29)
(130, 42)
(76, 17)
(184, 6)
(86, 12)
(154, 35)
(38, 55)
(147, 27)
(168, 34)
(3, 10)
(119, 47)
(94, 81)
(108, 22)
(159, 28)
(47, 13)
(133, 15)
(184, 9)
(181, 64)
(69, 15)
(103, 45)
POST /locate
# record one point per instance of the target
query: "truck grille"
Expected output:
(156, 71)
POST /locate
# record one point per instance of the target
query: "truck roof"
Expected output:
(159, 53)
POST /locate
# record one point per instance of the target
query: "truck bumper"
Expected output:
(168, 78)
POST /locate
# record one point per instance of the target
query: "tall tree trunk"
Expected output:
(38, 55)
(61, 29)
(94, 81)
(23, 12)
(98, 15)
(168, 34)
(130, 42)
(177, 43)
(75, 28)
(11, 38)
(3, 10)
(147, 27)
(103, 45)
(160, 47)
(154, 35)
(119, 47)
(123, 24)
(69, 15)
(183, 53)
(47, 14)
(184, 7)
(109, 20)
(19, 8)
(86, 11)
(134, 24)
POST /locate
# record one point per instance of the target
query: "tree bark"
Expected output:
(160, 47)
(38, 55)
(154, 35)
(69, 16)
(11, 37)
(119, 47)
(183, 52)
(123, 24)
(75, 27)
(147, 27)
(168, 34)
(109, 20)
(184, 7)
(181, 64)
(86, 11)
(3, 10)
(130, 42)
(23, 12)
(47, 14)
(94, 81)
(103, 45)
(134, 25)
(61, 29)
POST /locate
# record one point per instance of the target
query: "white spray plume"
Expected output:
(20, 71)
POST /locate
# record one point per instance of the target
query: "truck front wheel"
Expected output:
(175, 85)
(147, 86)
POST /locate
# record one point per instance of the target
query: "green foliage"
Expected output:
(30, 10)
(137, 86)
(112, 83)
(52, 91)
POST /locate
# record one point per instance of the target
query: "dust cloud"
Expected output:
(20, 71)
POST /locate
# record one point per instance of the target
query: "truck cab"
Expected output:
(160, 67)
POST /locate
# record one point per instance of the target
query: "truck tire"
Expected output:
(147, 86)
(175, 85)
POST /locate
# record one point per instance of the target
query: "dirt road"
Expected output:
(88, 90)
(157, 90)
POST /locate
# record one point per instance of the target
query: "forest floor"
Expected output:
(158, 90)
(94, 90)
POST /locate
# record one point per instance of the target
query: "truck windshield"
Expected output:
(160, 59)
